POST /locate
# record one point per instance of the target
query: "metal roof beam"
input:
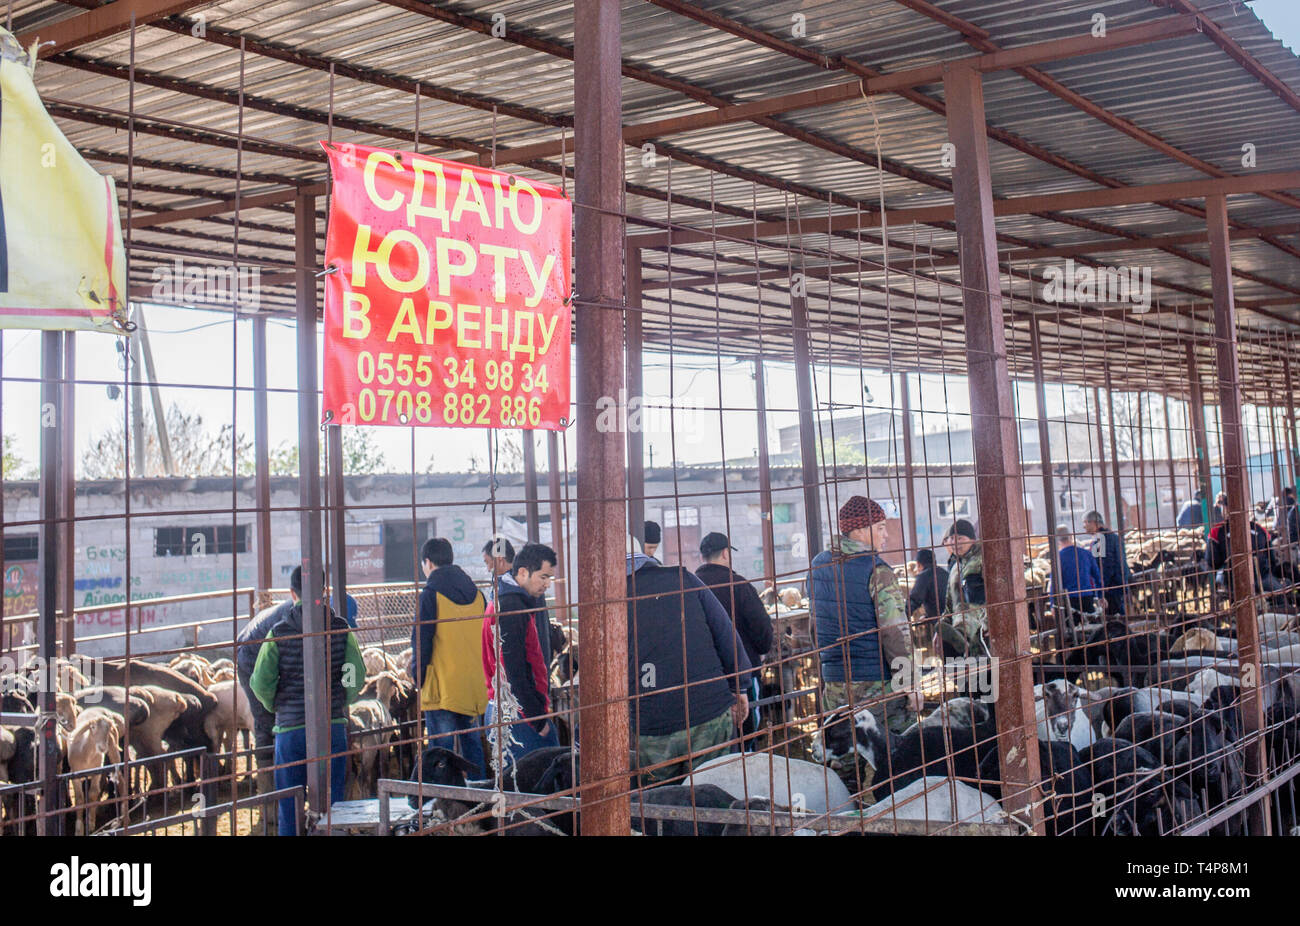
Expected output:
(103, 22)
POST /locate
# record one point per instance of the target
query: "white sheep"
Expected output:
(938, 800)
(788, 782)
(231, 715)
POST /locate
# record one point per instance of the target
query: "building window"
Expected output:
(956, 507)
(1072, 501)
(21, 548)
(196, 541)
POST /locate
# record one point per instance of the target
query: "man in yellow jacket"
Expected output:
(446, 661)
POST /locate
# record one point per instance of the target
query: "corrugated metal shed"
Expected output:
(1171, 110)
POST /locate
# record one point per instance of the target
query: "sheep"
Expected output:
(194, 667)
(441, 766)
(218, 665)
(232, 715)
(1127, 777)
(938, 800)
(186, 731)
(1206, 681)
(7, 749)
(703, 796)
(1198, 639)
(789, 782)
(1059, 712)
(1155, 731)
(368, 750)
(376, 661)
(790, 597)
(95, 742)
(65, 705)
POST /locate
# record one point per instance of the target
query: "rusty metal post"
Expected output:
(1274, 459)
(812, 506)
(338, 524)
(1235, 483)
(908, 475)
(997, 466)
(1121, 522)
(68, 494)
(602, 476)
(635, 391)
(764, 475)
(313, 610)
(1290, 419)
(1101, 456)
(51, 421)
(1140, 473)
(554, 480)
(532, 514)
(1199, 434)
(262, 454)
(1169, 446)
(1049, 482)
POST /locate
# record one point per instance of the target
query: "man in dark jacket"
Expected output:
(686, 667)
(445, 646)
(930, 587)
(1218, 551)
(1192, 514)
(744, 607)
(514, 664)
(279, 681)
(653, 536)
(247, 647)
(1116, 574)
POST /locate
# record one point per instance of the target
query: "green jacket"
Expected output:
(278, 682)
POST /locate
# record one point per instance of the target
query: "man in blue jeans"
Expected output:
(280, 683)
(518, 677)
(446, 664)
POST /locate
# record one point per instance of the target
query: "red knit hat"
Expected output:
(859, 512)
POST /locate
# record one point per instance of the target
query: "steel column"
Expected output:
(338, 529)
(1173, 481)
(313, 611)
(635, 391)
(1290, 418)
(51, 421)
(1100, 465)
(554, 480)
(809, 473)
(908, 475)
(1045, 462)
(137, 404)
(1121, 522)
(997, 466)
(68, 493)
(1140, 472)
(1274, 459)
(532, 515)
(1235, 482)
(764, 475)
(602, 476)
(261, 454)
(1199, 435)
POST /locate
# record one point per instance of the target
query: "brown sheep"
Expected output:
(95, 742)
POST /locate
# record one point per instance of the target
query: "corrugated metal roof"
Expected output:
(1186, 91)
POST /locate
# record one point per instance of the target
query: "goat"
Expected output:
(376, 661)
(65, 705)
(368, 748)
(95, 742)
(703, 796)
(187, 730)
(1058, 707)
(898, 760)
(1155, 731)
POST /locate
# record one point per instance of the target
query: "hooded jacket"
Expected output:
(522, 675)
(444, 643)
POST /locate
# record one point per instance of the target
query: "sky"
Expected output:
(199, 354)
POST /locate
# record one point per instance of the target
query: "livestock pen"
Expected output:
(979, 262)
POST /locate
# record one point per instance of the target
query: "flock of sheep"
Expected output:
(191, 702)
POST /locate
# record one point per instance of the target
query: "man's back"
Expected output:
(929, 591)
(742, 605)
(675, 651)
(445, 642)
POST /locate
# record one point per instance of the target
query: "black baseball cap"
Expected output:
(713, 543)
(652, 532)
(961, 528)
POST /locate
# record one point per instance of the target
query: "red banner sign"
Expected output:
(447, 300)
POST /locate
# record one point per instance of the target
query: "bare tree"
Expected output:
(196, 451)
